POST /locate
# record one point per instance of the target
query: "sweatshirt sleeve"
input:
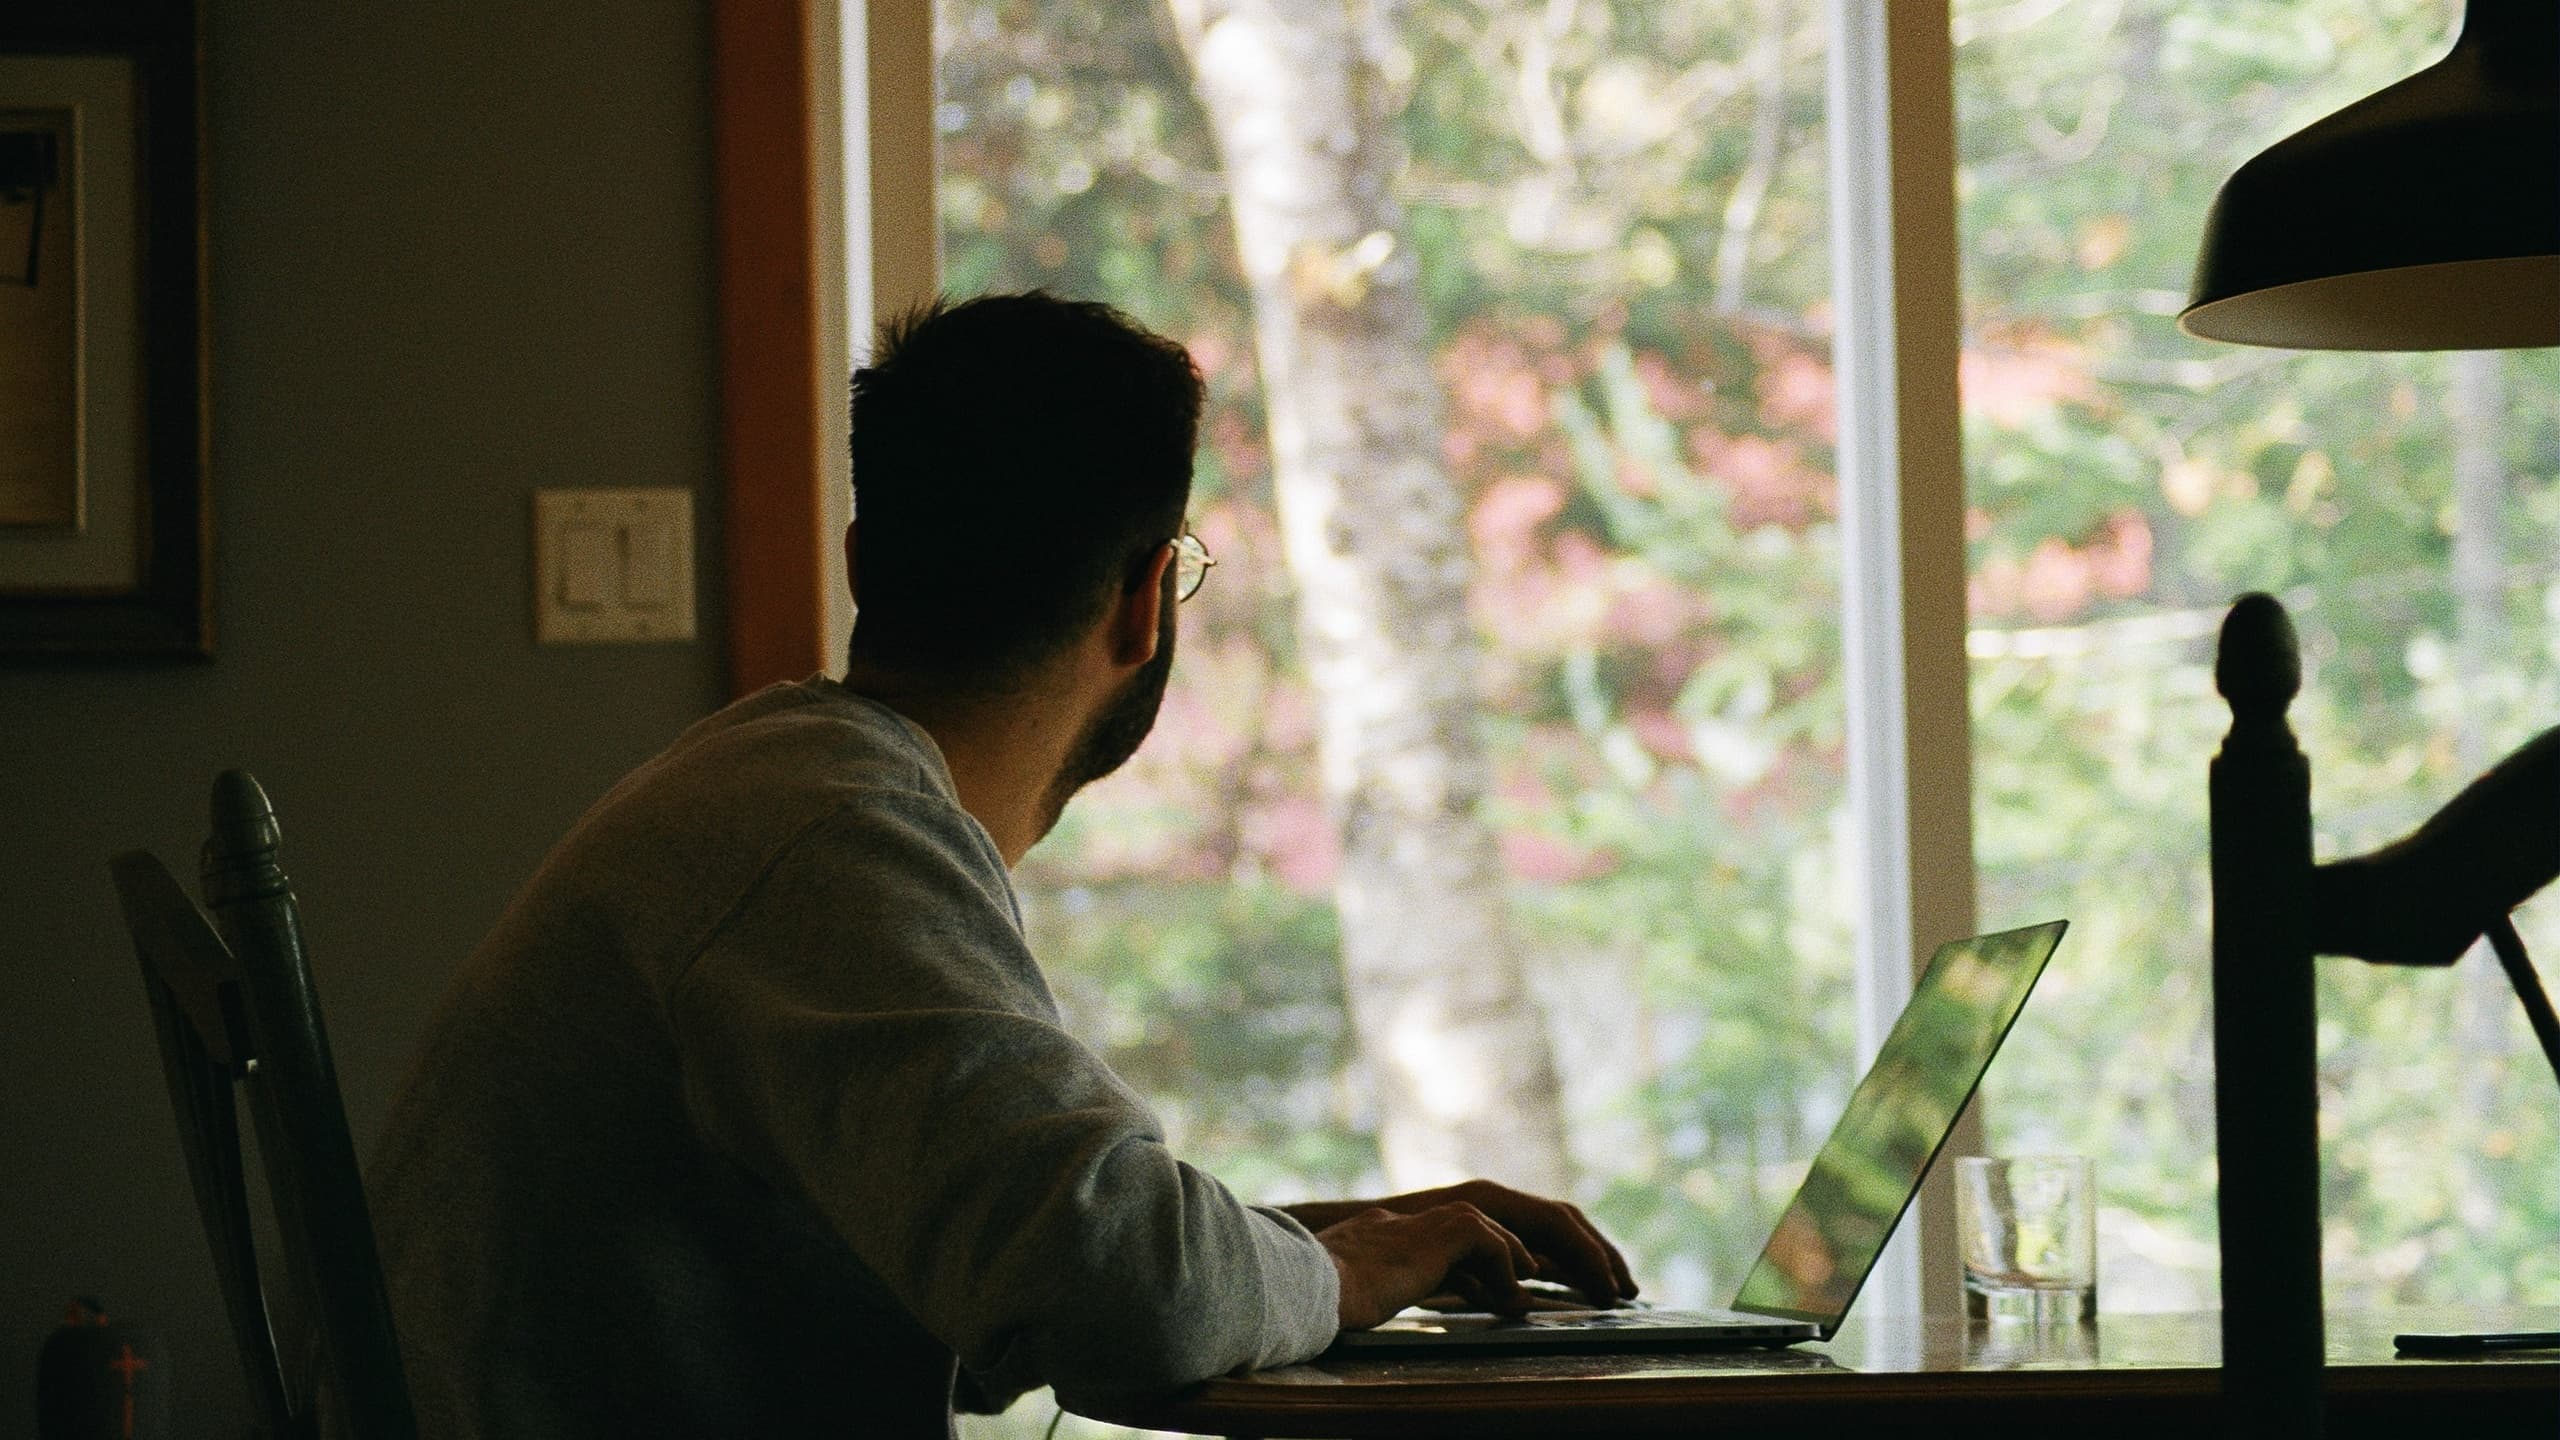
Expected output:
(868, 1030)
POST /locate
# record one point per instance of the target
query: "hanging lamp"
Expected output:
(2425, 216)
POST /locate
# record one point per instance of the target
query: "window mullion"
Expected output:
(1901, 481)
(886, 235)
(905, 234)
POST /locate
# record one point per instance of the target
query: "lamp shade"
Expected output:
(2423, 217)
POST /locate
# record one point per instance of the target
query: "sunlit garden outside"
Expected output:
(1519, 475)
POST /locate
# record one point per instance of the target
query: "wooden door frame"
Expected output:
(782, 276)
(770, 431)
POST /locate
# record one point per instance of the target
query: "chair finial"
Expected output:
(239, 858)
(244, 822)
(2258, 664)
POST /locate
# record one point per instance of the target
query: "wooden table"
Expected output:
(2148, 1375)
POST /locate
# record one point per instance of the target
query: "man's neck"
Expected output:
(1004, 752)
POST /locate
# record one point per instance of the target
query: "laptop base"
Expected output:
(1556, 1331)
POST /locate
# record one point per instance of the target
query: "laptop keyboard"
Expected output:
(1634, 1319)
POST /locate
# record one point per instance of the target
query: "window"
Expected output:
(1567, 636)
(2125, 483)
(1607, 230)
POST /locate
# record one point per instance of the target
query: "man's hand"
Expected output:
(1484, 1238)
(1388, 1261)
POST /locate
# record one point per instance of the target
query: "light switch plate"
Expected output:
(612, 566)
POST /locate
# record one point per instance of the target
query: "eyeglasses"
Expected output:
(1191, 563)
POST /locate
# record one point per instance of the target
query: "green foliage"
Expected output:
(1237, 979)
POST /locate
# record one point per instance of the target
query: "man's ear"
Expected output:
(1139, 611)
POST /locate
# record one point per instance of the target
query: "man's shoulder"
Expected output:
(784, 765)
(794, 787)
(780, 759)
(812, 734)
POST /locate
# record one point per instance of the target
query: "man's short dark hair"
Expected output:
(1016, 461)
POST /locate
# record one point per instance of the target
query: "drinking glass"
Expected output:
(2029, 1227)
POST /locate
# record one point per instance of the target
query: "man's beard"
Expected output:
(1119, 728)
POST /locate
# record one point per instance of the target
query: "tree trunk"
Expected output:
(1376, 542)
(1751, 187)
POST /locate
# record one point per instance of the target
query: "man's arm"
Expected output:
(867, 1032)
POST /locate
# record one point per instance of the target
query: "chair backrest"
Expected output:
(2420, 901)
(234, 1006)
(2266, 1111)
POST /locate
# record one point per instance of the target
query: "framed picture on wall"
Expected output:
(104, 537)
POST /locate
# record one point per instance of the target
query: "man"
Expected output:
(754, 1114)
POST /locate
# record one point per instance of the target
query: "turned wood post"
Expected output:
(310, 1159)
(2266, 1105)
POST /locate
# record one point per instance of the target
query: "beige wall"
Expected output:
(459, 251)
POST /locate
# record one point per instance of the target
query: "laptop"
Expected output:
(1862, 1180)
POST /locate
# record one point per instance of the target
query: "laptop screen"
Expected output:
(1866, 1173)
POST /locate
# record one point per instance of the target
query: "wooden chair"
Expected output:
(2420, 901)
(234, 1006)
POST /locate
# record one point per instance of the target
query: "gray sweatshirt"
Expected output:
(754, 1111)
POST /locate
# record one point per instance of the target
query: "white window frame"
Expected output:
(877, 174)
(1894, 280)
(1901, 471)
